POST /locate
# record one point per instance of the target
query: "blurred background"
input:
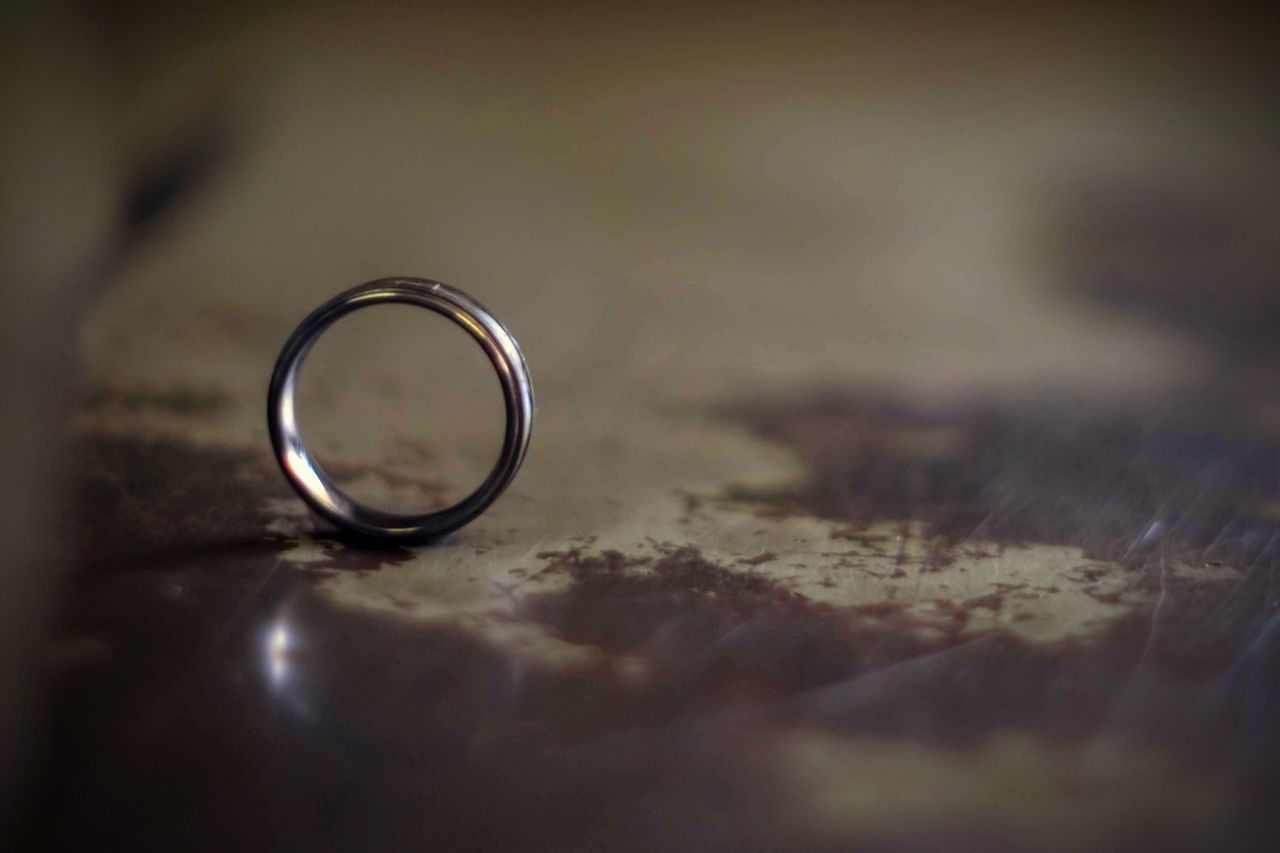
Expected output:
(751, 250)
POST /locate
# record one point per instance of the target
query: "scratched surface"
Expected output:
(895, 482)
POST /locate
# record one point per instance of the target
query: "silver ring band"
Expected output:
(314, 485)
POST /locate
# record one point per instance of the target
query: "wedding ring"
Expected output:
(318, 489)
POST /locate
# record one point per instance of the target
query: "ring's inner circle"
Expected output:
(401, 407)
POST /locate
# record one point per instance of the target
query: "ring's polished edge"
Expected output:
(314, 485)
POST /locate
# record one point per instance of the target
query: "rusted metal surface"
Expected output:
(968, 568)
(1070, 613)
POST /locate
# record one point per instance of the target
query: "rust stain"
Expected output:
(714, 631)
(1122, 491)
(153, 505)
(150, 504)
(190, 400)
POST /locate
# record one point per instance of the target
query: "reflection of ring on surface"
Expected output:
(315, 486)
